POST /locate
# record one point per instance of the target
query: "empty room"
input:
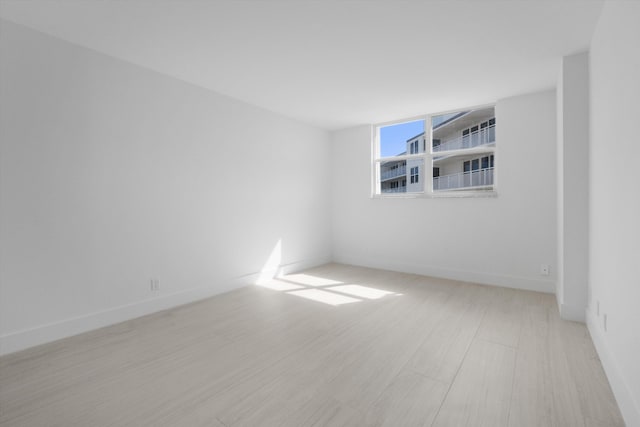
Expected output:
(319, 213)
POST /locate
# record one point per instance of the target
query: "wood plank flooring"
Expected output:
(333, 346)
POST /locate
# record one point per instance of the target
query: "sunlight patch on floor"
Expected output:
(315, 288)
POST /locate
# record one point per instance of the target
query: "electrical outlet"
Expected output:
(604, 322)
(598, 308)
(154, 285)
(544, 269)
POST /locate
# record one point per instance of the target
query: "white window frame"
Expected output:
(427, 160)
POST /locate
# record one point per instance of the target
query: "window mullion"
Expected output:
(428, 158)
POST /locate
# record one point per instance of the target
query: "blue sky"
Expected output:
(393, 139)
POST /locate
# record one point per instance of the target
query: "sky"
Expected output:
(393, 139)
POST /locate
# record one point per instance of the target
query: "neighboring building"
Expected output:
(463, 158)
(393, 176)
(415, 167)
(401, 176)
(473, 132)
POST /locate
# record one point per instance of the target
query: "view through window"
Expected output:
(458, 147)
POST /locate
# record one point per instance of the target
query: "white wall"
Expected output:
(573, 186)
(614, 204)
(112, 174)
(501, 240)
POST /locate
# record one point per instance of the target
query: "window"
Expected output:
(414, 147)
(414, 175)
(460, 156)
(399, 159)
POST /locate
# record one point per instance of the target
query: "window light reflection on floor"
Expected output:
(319, 289)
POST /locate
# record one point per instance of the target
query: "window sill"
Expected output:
(463, 194)
(439, 195)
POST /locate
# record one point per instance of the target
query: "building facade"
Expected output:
(462, 148)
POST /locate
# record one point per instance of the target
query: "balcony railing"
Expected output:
(395, 190)
(482, 137)
(476, 178)
(392, 173)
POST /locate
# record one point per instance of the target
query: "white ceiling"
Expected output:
(333, 63)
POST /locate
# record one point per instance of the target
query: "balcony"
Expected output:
(482, 137)
(394, 190)
(471, 179)
(393, 173)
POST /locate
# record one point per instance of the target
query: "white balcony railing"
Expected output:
(392, 173)
(482, 137)
(476, 178)
(395, 190)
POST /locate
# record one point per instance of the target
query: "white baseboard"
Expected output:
(572, 312)
(628, 407)
(526, 283)
(304, 264)
(16, 341)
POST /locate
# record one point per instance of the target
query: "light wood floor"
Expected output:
(428, 352)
